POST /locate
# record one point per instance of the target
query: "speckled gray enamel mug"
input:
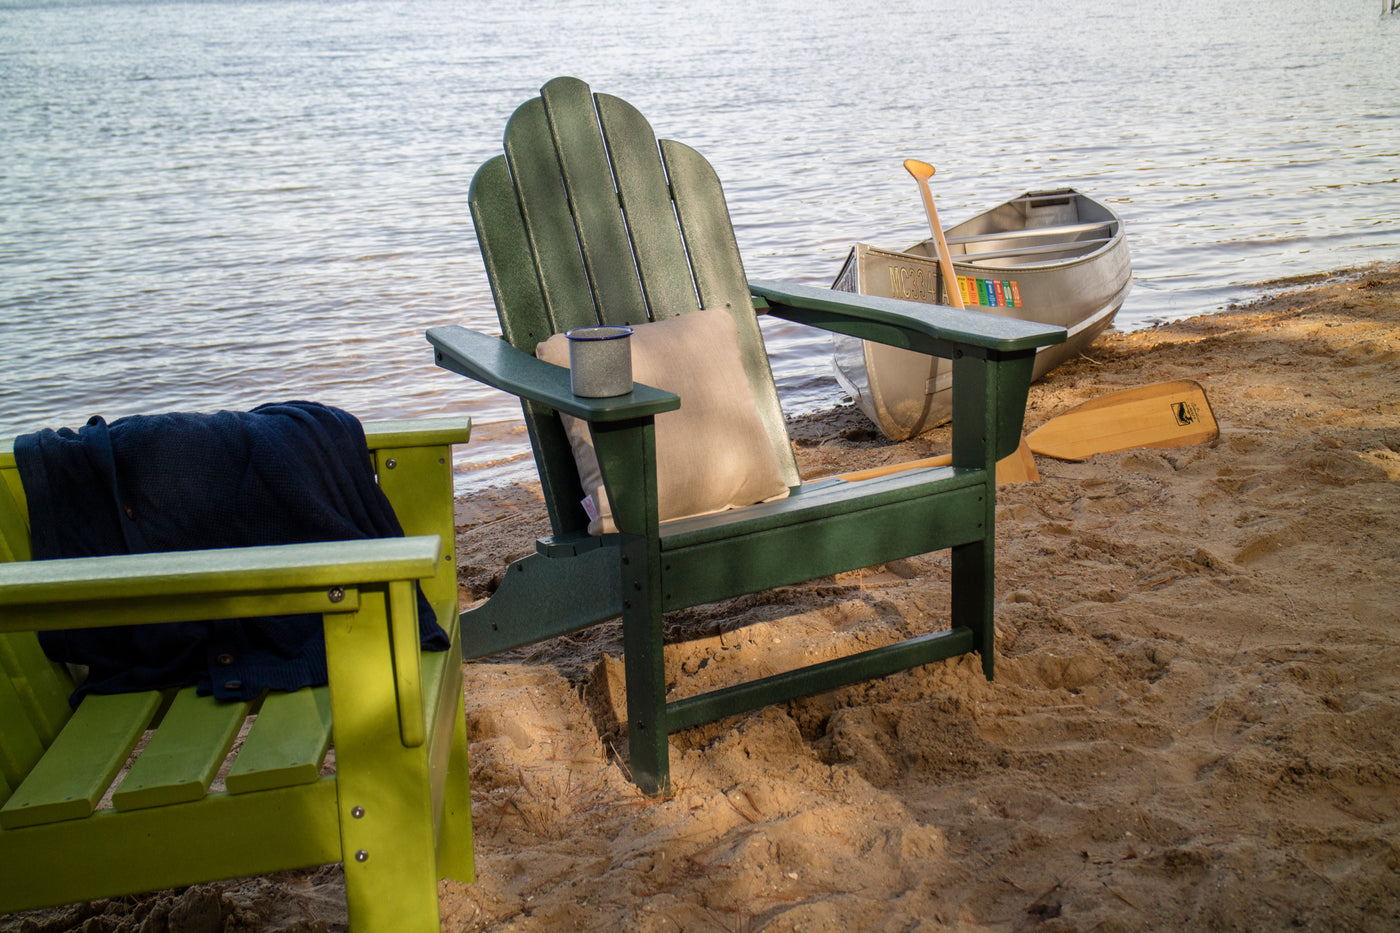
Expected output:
(600, 360)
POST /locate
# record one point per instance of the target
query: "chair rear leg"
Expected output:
(456, 859)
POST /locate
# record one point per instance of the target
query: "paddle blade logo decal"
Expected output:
(1187, 413)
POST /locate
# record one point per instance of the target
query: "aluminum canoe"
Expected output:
(1056, 257)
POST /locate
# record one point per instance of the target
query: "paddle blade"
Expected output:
(1018, 466)
(1168, 414)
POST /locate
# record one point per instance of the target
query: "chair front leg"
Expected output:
(976, 427)
(644, 659)
(384, 794)
(627, 457)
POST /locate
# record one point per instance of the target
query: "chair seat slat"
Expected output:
(286, 744)
(185, 753)
(816, 501)
(82, 762)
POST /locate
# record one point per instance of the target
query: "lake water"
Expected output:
(215, 204)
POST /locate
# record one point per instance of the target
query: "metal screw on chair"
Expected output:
(362, 856)
(390, 463)
(336, 594)
(357, 812)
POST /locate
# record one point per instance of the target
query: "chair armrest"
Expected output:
(172, 586)
(418, 432)
(993, 356)
(492, 361)
(394, 432)
(934, 329)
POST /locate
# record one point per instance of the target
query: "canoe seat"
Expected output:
(1038, 253)
(219, 790)
(1054, 230)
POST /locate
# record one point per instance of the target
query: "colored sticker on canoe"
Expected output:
(990, 293)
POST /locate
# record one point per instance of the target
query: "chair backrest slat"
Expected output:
(704, 224)
(14, 521)
(720, 280)
(644, 195)
(20, 743)
(549, 220)
(44, 686)
(501, 235)
(523, 312)
(599, 228)
(34, 693)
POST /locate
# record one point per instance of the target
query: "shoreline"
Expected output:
(1195, 720)
(846, 417)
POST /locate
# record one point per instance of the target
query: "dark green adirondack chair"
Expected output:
(586, 219)
(397, 809)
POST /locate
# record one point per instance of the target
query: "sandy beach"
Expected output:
(1195, 722)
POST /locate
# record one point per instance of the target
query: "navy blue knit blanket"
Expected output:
(281, 474)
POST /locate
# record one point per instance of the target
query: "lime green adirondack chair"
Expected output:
(397, 809)
(586, 219)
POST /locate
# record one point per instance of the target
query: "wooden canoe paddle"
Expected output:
(922, 172)
(1016, 467)
(1167, 414)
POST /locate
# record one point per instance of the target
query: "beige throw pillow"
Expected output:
(712, 453)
